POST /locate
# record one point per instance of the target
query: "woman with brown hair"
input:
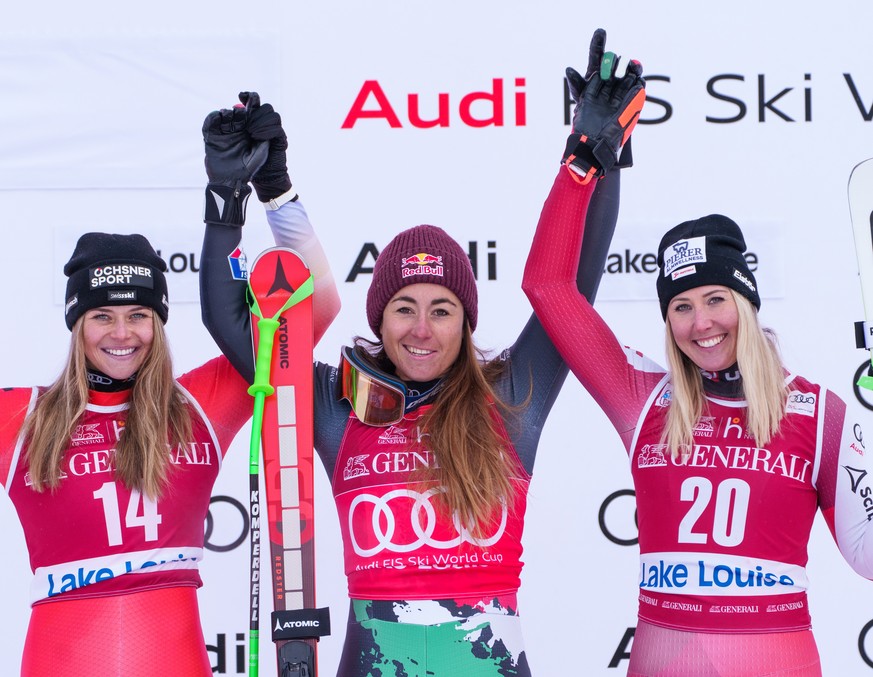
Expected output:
(430, 448)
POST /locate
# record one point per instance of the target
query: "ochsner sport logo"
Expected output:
(684, 253)
(127, 274)
(421, 264)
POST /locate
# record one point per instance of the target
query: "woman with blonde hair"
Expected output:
(110, 468)
(731, 454)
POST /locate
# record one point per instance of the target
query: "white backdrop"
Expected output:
(758, 111)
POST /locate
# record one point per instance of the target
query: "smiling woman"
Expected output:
(430, 445)
(118, 339)
(111, 467)
(421, 331)
(731, 454)
(85, 462)
(703, 323)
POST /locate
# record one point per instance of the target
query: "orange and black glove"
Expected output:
(607, 109)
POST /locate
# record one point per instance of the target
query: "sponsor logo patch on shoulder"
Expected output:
(239, 269)
(801, 403)
(665, 397)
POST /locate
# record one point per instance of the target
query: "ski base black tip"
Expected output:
(296, 659)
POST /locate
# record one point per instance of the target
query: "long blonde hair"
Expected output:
(157, 415)
(473, 467)
(763, 374)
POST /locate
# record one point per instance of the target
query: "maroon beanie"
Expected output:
(421, 254)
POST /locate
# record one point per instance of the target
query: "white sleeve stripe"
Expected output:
(656, 392)
(819, 434)
(19, 444)
(194, 403)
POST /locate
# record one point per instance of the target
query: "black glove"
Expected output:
(607, 109)
(265, 124)
(231, 160)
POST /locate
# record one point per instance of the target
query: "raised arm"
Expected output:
(234, 156)
(606, 112)
(285, 214)
(538, 369)
(607, 109)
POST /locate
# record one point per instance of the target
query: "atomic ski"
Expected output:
(861, 210)
(280, 287)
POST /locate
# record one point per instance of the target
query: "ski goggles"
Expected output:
(377, 398)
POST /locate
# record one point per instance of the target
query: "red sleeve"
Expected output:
(618, 379)
(222, 394)
(14, 403)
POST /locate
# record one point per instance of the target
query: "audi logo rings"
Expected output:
(227, 540)
(384, 524)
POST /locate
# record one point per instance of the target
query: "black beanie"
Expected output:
(708, 250)
(114, 270)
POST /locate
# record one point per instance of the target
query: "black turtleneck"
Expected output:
(418, 392)
(724, 383)
(100, 382)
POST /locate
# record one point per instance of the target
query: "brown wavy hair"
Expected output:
(467, 439)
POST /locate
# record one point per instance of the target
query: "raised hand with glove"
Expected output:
(607, 109)
(246, 145)
(271, 181)
(232, 158)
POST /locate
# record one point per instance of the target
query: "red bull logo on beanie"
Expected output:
(422, 264)
(684, 253)
(126, 274)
